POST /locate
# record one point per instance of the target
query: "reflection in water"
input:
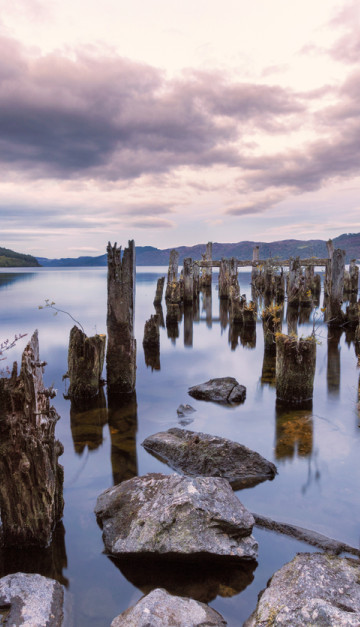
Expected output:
(188, 324)
(268, 373)
(202, 581)
(294, 433)
(292, 315)
(7, 278)
(122, 412)
(333, 360)
(48, 562)
(87, 419)
(173, 317)
(152, 356)
(207, 305)
(248, 336)
(224, 304)
(160, 313)
(234, 334)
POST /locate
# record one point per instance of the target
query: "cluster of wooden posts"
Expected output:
(299, 286)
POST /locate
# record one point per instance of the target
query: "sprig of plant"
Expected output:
(51, 305)
(7, 344)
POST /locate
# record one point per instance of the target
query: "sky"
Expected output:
(177, 122)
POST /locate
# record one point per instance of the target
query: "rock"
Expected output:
(210, 456)
(313, 589)
(31, 600)
(224, 390)
(179, 517)
(185, 410)
(161, 609)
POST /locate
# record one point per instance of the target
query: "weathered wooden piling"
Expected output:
(206, 274)
(351, 278)
(196, 280)
(172, 293)
(224, 278)
(255, 269)
(272, 323)
(327, 280)
(159, 291)
(121, 349)
(294, 281)
(334, 314)
(295, 369)
(85, 363)
(188, 280)
(31, 501)
(151, 342)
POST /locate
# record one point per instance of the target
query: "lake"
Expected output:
(316, 451)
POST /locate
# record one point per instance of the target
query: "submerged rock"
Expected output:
(313, 589)
(185, 410)
(31, 600)
(161, 609)
(223, 390)
(211, 456)
(178, 517)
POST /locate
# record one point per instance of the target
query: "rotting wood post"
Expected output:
(206, 274)
(224, 278)
(85, 363)
(294, 282)
(31, 486)
(255, 269)
(271, 319)
(151, 342)
(268, 277)
(354, 277)
(159, 291)
(188, 280)
(334, 314)
(121, 349)
(234, 289)
(327, 280)
(295, 369)
(196, 280)
(172, 278)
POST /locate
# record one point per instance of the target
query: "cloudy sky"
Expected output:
(177, 122)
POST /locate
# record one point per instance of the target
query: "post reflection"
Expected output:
(293, 433)
(87, 419)
(49, 562)
(122, 416)
(207, 305)
(333, 360)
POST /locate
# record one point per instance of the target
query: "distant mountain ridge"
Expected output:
(283, 249)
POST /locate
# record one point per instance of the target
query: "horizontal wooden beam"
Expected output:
(313, 261)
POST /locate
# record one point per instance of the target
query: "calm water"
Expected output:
(316, 452)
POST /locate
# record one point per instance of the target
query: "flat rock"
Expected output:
(313, 589)
(31, 600)
(197, 454)
(177, 517)
(161, 609)
(224, 390)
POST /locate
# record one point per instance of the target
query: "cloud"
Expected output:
(150, 223)
(108, 118)
(256, 206)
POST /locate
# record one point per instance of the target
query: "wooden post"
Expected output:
(354, 277)
(121, 350)
(159, 291)
(85, 363)
(327, 280)
(295, 369)
(172, 278)
(31, 500)
(334, 313)
(294, 283)
(224, 278)
(188, 280)
(255, 270)
(196, 280)
(206, 274)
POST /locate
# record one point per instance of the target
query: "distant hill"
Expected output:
(283, 249)
(11, 259)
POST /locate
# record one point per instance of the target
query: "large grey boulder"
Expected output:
(31, 600)
(168, 515)
(211, 456)
(224, 390)
(313, 589)
(161, 609)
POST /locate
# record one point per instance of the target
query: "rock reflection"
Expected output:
(48, 562)
(333, 360)
(87, 419)
(294, 433)
(202, 581)
(122, 413)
